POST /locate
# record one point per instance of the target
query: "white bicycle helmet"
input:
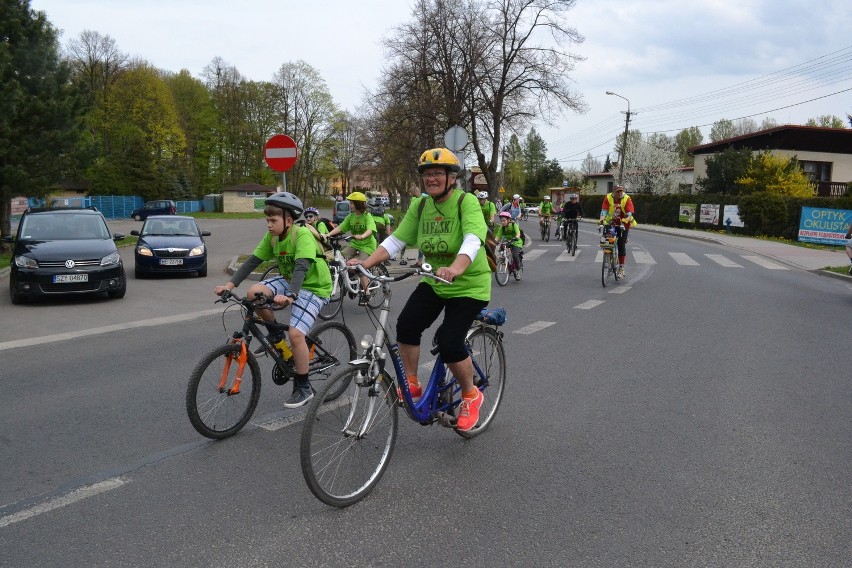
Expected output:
(482, 195)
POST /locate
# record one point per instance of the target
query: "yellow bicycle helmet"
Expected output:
(438, 157)
(356, 196)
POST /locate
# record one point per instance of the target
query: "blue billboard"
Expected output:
(825, 226)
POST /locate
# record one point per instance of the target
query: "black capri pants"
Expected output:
(423, 308)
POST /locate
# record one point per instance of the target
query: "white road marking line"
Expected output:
(641, 257)
(588, 305)
(565, 256)
(68, 499)
(760, 261)
(723, 261)
(619, 290)
(556, 245)
(534, 327)
(683, 259)
(599, 257)
(106, 329)
(533, 254)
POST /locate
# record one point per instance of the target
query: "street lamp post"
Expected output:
(624, 138)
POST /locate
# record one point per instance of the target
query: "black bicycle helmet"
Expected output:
(286, 200)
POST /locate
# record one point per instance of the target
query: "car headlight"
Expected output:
(112, 258)
(197, 251)
(144, 251)
(25, 262)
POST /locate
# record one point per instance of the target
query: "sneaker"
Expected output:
(403, 262)
(300, 397)
(362, 299)
(469, 412)
(621, 271)
(414, 388)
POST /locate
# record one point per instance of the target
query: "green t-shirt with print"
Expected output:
(438, 234)
(285, 252)
(546, 208)
(511, 232)
(357, 224)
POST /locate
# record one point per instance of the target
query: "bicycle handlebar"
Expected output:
(424, 270)
(260, 301)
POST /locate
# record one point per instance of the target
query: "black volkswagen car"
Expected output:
(170, 244)
(65, 251)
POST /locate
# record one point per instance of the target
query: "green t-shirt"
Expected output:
(382, 223)
(357, 224)
(488, 212)
(321, 228)
(285, 251)
(439, 236)
(546, 208)
(511, 232)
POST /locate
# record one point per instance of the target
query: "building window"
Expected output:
(254, 194)
(816, 171)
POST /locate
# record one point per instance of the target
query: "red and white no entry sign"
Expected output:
(280, 152)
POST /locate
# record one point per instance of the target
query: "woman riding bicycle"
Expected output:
(510, 231)
(617, 211)
(450, 230)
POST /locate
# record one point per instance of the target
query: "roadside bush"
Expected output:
(764, 213)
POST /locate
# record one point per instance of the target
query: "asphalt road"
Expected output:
(696, 414)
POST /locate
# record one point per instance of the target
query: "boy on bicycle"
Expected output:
(304, 283)
(363, 228)
(545, 212)
(510, 231)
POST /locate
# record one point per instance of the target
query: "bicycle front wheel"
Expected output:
(605, 267)
(614, 267)
(489, 374)
(335, 301)
(378, 295)
(502, 273)
(217, 405)
(573, 243)
(347, 444)
(330, 345)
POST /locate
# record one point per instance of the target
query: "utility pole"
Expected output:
(624, 138)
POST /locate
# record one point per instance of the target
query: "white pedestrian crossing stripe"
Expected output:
(642, 257)
(723, 261)
(765, 263)
(683, 259)
(566, 256)
(588, 305)
(534, 327)
(533, 254)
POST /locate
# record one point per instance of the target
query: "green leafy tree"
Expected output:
(722, 130)
(607, 167)
(39, 106)
(826, 121)
(777, 175)
(684, 140)
(723, 169)
(516, 175)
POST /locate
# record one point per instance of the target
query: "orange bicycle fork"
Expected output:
(242, 359)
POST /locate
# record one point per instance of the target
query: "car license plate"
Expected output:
(65, 278)
(171, 261)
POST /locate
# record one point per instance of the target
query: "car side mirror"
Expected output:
(118, 236)
(134, 232)
(205, 233)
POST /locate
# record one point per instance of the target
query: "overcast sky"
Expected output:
(680, 64)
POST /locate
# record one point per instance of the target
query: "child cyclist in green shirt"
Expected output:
(363, 228)
(489, 210)
(304, 284)
(510, 231)
(450, 232)
(312, 217)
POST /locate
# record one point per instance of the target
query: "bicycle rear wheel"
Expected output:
(330, 345)
(614, 267)
(335, 302)
(572, 246)
(489, 361)
(347, 444)
(214, 409)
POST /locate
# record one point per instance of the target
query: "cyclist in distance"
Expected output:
(515, 208)
(363, 228)
(510, 231)
(545, 211)
(617, 211)
(304, 282)
(571, 212)
(312, 217)
(489, 210)
(450, 230)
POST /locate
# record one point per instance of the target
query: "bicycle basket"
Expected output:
(494, 316)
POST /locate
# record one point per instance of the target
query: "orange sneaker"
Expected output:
(469, 411)
(414, 388)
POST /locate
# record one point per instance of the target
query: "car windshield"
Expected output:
(170, 227)
(63, 226)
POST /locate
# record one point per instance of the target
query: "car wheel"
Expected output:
(119, 293)
(16, 297)
(137, 217)
(203, 272)
(139, 274)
